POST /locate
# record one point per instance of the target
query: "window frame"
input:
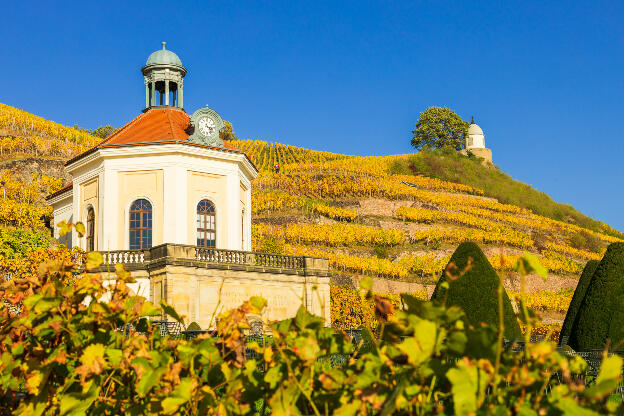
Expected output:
(145, 229)
(90, 231)
(205, 222)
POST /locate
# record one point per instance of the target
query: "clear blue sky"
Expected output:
(545, 80)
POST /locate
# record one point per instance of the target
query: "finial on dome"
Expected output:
(472, 122)
(164, 43)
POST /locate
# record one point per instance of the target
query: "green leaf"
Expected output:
(528, 263)
(465, 387)
(420, 347)
(258, 303)
(169, 310)
(366, 283)
(180, 395)
(569, 407)
(610, 369)
(94, 260)
(348, 409)
(149, 309)
(79, 403)
(114, 355)
(149, 379)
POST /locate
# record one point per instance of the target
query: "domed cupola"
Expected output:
(164, 79)
(475, 138)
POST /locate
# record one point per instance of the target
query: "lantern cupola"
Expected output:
(164, 79)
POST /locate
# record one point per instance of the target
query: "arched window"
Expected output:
(140, 224)
(206, 224)
(90, 229)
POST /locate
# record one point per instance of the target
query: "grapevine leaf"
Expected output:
(366, 283)
(169, 310)
(528, 263)
(258, 303)
(94, 260)
(80, 229)
(180, 395)
(79, 403)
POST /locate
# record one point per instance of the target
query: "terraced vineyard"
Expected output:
(398, 228)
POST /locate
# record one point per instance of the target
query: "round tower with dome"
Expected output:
(475, 142)
(164, 79)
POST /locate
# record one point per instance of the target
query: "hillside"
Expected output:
(396, 218)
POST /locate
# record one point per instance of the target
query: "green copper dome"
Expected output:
(163, 57)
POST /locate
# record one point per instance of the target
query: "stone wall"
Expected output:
(201, 283)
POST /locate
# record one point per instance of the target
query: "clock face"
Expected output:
(206, 126)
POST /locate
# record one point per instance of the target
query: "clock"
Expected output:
(205, 126)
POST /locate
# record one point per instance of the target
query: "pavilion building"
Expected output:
(171, 200)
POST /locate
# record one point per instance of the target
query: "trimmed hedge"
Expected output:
(577, 298)
(475, 291)
(600, 315)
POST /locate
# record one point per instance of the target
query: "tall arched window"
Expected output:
(206, 224)
(90, 229)
(140, 224)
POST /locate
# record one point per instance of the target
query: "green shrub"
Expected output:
(381, 252)
(18, 243)
(599, 316)
(193, 326)
(577, 298)
(475, 290)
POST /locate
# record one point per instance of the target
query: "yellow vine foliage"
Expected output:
(357, 264)
(350, 309)
(336, 213)
(266, 155)
(581, 254)
(434, 236)
(547, 300)
(339, 234)
(22, 214)
(30, 134)
(554, 262)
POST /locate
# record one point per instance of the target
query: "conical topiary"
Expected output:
(599, 317)
(577, 298)
(476, 291)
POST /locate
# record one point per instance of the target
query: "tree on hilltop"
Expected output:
(227, 132)
(439, 127)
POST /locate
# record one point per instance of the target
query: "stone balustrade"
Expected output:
(126, 257)
(211, 257)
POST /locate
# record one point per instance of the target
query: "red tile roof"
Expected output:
(155, 126)
(64, 189)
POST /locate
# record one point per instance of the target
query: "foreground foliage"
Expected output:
(71, 350)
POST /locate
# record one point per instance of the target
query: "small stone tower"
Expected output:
(164, 79)
(475, 143)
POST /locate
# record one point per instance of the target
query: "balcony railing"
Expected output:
(212, 255)
(204, 255)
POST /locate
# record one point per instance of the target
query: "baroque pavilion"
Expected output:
(166, 197)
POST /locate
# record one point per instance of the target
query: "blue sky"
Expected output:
(545, 80)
